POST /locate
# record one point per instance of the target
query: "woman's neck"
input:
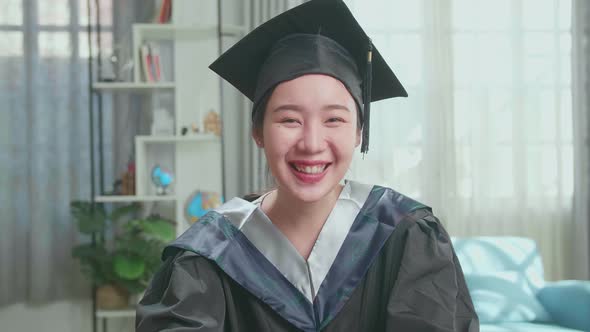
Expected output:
(301, 222)
(293, 211)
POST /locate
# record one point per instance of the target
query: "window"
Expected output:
(489, 113)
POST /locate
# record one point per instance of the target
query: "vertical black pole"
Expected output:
(99, 101)
(91, 133)
(221, 103)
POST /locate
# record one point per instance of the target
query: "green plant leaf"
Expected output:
(159, 229)
(128, 267)
(122, 211)
(132, 226)
(91, 218)
(95, 262)
(88, 250)
(134, 244)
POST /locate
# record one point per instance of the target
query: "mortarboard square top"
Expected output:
(319, 37)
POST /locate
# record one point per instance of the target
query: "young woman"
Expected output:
(316, 253)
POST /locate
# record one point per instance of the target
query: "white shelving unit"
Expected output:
(190, 171)
(133, 86)
(167, 31)
(196, 92)
(129, 313)
(194, 159)
(134, 198)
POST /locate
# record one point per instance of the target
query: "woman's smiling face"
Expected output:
(309, 134)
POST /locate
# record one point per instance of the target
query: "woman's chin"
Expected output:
(309, 197)
(309, 193)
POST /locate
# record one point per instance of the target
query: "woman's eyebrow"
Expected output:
(297, 108)
(288, 107)
(335, 107)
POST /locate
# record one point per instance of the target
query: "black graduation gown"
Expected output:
(395, 271)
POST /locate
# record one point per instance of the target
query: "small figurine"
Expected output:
(127, 182)
(195, 128)
(162, 123)
(212, 123)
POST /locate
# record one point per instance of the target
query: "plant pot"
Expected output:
(111, 297)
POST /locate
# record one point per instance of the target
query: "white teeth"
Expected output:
(311, 169)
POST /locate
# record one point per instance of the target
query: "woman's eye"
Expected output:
(288, 120)
(335, 120)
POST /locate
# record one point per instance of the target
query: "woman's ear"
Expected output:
(358, 138)
(257, 137)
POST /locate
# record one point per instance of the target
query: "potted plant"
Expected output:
(120, 264)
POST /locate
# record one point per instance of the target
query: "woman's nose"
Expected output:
(313, 139)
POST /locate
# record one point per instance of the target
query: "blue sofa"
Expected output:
(505, 279)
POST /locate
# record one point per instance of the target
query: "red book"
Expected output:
(165, 11)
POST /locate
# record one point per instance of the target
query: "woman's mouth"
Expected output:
(309, 173)
(310, 169)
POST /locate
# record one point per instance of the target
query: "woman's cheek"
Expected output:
(344, 136)
(285, 133)
(278, 141)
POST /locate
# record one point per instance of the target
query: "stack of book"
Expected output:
(151, 63)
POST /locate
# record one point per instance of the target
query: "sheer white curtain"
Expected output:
(44, 145)
(485, 137)
(581, 104)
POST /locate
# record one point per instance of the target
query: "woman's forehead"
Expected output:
(312, 89)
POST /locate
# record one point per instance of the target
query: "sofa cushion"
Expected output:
(568, 303)
(524, 327)
(504, 296)
(488, 254)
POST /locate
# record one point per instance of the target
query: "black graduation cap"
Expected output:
(316, 37)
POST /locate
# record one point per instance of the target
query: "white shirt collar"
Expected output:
(307, 276)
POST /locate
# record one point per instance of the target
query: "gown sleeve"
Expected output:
(186, 294)
(430, 293)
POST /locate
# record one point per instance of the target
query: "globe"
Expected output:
(199, 203)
